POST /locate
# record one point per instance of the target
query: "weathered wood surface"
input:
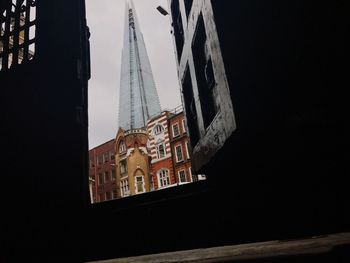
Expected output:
(312, 245)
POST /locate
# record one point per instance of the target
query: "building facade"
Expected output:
(132, 162)
(204, 86)
(143, 160)
(102, 172)
(152, 149)
(138, 100)
(162, 168)
(180, 148)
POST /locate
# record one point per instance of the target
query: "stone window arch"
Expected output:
(158, 129)
(122, 146)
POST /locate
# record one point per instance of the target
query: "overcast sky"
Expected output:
(106, 22)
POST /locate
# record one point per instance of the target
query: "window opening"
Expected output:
(161, 150)
(114, 194)
(179, 156)
(106, 157)
(182, 176)
(124, 188)
(176, 131)
(190, 107)
(122, 147)
(140, 184)
(99, 160)
(17, 33)
(113, 177)
(112, 156)
(123, 168)
(178, 27)
(145, 139)
(158, 129)
(204, 73)
(163, 177)
(91, 162)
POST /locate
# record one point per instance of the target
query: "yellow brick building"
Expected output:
(132, 162)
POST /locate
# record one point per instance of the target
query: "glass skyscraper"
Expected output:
(138, 98)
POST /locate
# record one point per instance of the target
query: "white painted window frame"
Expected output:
(158, 152)
(179, 177)
(162, 179)
(143, 184)
(184, 126)
(182, 155)
(122, 147)
(124, 186)
(178, 128)
(187, 151)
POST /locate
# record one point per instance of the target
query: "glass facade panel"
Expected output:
(138, 100)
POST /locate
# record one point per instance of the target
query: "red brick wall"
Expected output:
(105, 165)
(181, 139)
(167, 164)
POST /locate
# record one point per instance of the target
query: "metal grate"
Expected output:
(17, 32)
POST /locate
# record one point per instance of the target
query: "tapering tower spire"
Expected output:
(138, 98)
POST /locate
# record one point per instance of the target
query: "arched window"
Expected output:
(122, 147)
(163, 177)
(158, 129)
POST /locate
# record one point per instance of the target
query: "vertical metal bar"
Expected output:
(15, 32)
(5, 61)
(26, 31)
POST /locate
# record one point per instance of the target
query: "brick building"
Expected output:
(180, 147)
(102, 172)
(162, 168)
(132, 162)
(170, 150)
(143, 160)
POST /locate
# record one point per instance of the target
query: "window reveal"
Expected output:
(204, 74)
